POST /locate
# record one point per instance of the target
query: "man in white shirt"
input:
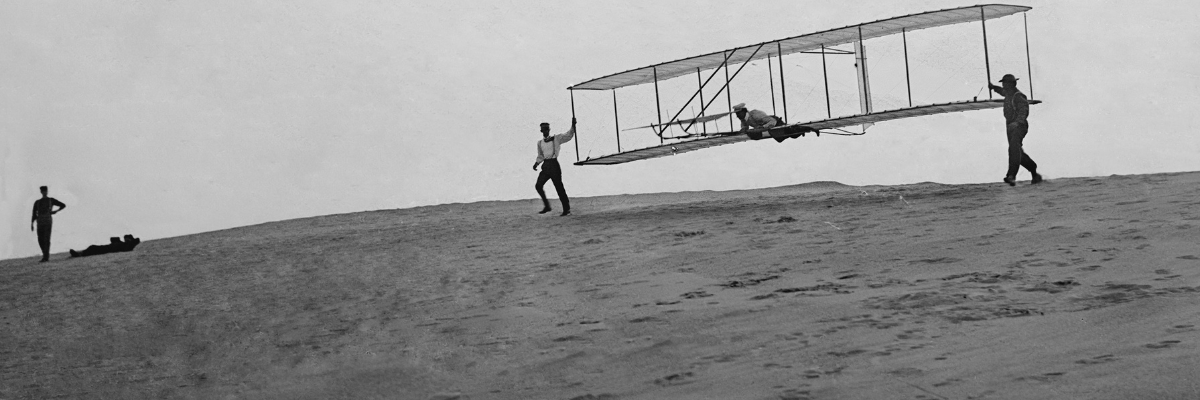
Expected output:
(548, 150)
(756, 119)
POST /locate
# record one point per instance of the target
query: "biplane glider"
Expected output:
(815, 43)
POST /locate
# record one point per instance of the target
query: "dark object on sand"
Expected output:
(114, 245)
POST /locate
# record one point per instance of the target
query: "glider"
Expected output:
(814, 43)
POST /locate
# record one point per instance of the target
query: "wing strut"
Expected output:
(828, 108)
(701, 91)
(904, 37)
(986, 63)
(864, 80)
(573, 126)
(728, 93)
(771, 81)
(782, 85)
(1027, 62)
(617, 120)
(657, 105)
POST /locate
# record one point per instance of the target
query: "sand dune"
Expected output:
(1079, 288)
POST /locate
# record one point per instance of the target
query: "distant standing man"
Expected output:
(1016, 110)
(548, 153)
(43, 208)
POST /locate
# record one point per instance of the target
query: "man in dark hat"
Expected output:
(43, 208)
(1016, 110)
(548, 150)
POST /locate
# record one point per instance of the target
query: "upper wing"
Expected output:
(795, 44)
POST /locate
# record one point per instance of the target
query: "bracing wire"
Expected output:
(844, 132)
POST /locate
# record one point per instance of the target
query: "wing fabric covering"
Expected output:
(809, 42)
(719, 139)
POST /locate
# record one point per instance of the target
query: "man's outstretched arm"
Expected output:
(999, 90)
(568, 135)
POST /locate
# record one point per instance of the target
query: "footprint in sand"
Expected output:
(814, 373)
(675, 379)
(828, 287)
(748, 282)
(1181, 328)
(847, 354)
(795, 394)
(1162, 345)
(876, 284)
(571, 338)
(601, 396)
(1046, 377)
(721, 358)
(941, 260)
(1107, 358)
(1051, 287)
(906, 371)
(947, 382)
(764, 296)
(1165, 272)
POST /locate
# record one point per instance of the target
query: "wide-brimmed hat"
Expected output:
(1008, 77)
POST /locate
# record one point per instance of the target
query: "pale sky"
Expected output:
(167, 118)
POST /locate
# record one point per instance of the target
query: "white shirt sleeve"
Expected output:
(565, 136)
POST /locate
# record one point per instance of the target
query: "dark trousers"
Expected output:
(551, 171)
(43, 232)
(1016, 155)
(782, 132)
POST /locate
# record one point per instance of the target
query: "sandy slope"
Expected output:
(1081, 288)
